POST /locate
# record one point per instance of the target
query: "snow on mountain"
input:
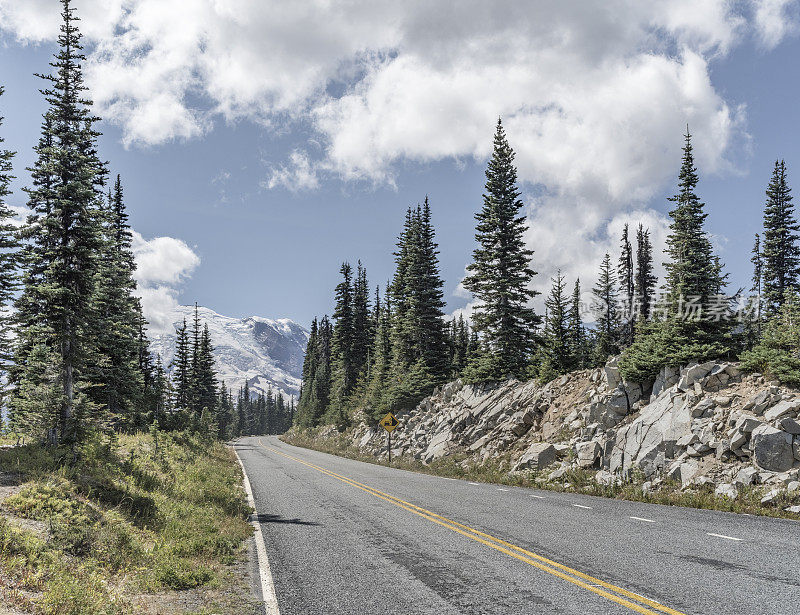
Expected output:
(265, 353)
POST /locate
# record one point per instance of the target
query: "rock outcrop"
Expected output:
(703, 424)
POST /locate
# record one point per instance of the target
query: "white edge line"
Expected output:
(723, 536)
(582, 506)
(267, 585)
(501, 489)
(538, 497)
(476, 484)
(642, 519)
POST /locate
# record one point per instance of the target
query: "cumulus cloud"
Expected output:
(162, 265)
(775, 20)
(594, 95)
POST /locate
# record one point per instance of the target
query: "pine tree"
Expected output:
(66, 236)
(499, 275)
(758, 276)
(557, 336)
(382, 352)
(9, 253)
(645, 280)
(362, 322)
(206, 378)
(577, 332)
(305, 407)
(694, 277)
(781, 252)
(118, 381)
(694, 273)
(344, 365)
(625, 273)
(606, 312)
(181, 367)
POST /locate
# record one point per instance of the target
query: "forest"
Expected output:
(73, 340)
(389, 352)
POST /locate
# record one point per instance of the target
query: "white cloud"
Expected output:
(162, 265)
(299, 174)
(594, 95)
(774, 21)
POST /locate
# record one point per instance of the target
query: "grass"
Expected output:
(120, 522)
(498, 471)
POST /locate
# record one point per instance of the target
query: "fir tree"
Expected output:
(758, 276)
(577, 332)
(118, 381)
(780, 250)
(694, 273)
(344, 365)
(557, 336)
(181, 367)
(645, 280)
(66, 236)
(362, 323)
(9, 253)
(625, 275)
(499, 275)
(606, 313)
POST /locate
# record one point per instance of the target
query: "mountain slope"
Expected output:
(265, 353)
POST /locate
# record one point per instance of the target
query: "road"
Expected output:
(345, 537)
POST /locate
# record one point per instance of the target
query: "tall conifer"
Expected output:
(500, 274)
(781, 252)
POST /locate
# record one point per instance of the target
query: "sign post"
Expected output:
(389, 423)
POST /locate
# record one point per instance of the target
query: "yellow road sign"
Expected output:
(389, 422)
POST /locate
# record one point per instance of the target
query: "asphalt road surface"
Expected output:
(345, 537)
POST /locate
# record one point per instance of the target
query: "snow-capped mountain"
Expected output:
(265, 353)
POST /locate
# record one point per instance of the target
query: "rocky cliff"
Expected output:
(705, 424)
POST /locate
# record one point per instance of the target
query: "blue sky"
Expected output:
(363, 110)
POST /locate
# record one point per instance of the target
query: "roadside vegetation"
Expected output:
(129, 519)
(498, 471)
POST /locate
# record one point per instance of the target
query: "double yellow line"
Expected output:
(621, 596)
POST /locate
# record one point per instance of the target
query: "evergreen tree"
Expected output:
(305, 410)
(66, 236)
(382, 352)
(557, 331)
(9, 253)
(781, 252)
(694, 277)
(645, 280)
(344, 364)
(362, 322)
(499, 275)
(577, 332)
(606, 312)
(694, 273)
(206, 376)
(625, 273)
(758, 276)
(118, 381)
(181, 367)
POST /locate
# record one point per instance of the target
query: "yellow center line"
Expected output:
(561, 571)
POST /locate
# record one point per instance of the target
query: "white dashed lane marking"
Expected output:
(476, 484)
(641, 519)
(581, 506)
(502, 489)
(538, 497)
(723, 536)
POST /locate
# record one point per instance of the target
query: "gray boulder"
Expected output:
(746, 477)
(539, 455)
(772, 449)
(588, 453)
(781, 409)
(789, 426)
